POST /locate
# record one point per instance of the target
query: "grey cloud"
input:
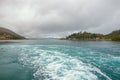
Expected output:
(33, 18)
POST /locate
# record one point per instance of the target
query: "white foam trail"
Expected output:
(54, 65)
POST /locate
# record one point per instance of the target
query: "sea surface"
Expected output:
(53, 59)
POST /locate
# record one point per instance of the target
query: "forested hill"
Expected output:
(114, 36)
(6, 34)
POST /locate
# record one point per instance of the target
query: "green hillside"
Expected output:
(114, 36)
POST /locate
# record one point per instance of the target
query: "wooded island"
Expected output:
(113, 36)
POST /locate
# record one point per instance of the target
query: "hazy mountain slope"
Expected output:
(8, 34)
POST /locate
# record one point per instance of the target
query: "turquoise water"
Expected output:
(52, 59)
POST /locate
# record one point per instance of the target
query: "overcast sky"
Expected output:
(58, 18)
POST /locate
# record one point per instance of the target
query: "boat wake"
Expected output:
(51, 64)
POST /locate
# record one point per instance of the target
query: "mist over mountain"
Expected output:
(6, 34)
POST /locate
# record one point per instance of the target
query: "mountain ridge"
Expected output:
(7, 34)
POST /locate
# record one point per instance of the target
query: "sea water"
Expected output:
(53, 59)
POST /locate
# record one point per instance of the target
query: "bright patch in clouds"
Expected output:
(26, 13)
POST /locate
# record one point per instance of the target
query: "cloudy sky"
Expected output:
(58, 18)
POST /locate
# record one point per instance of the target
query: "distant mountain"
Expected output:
(6, 34)
(114, 36)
